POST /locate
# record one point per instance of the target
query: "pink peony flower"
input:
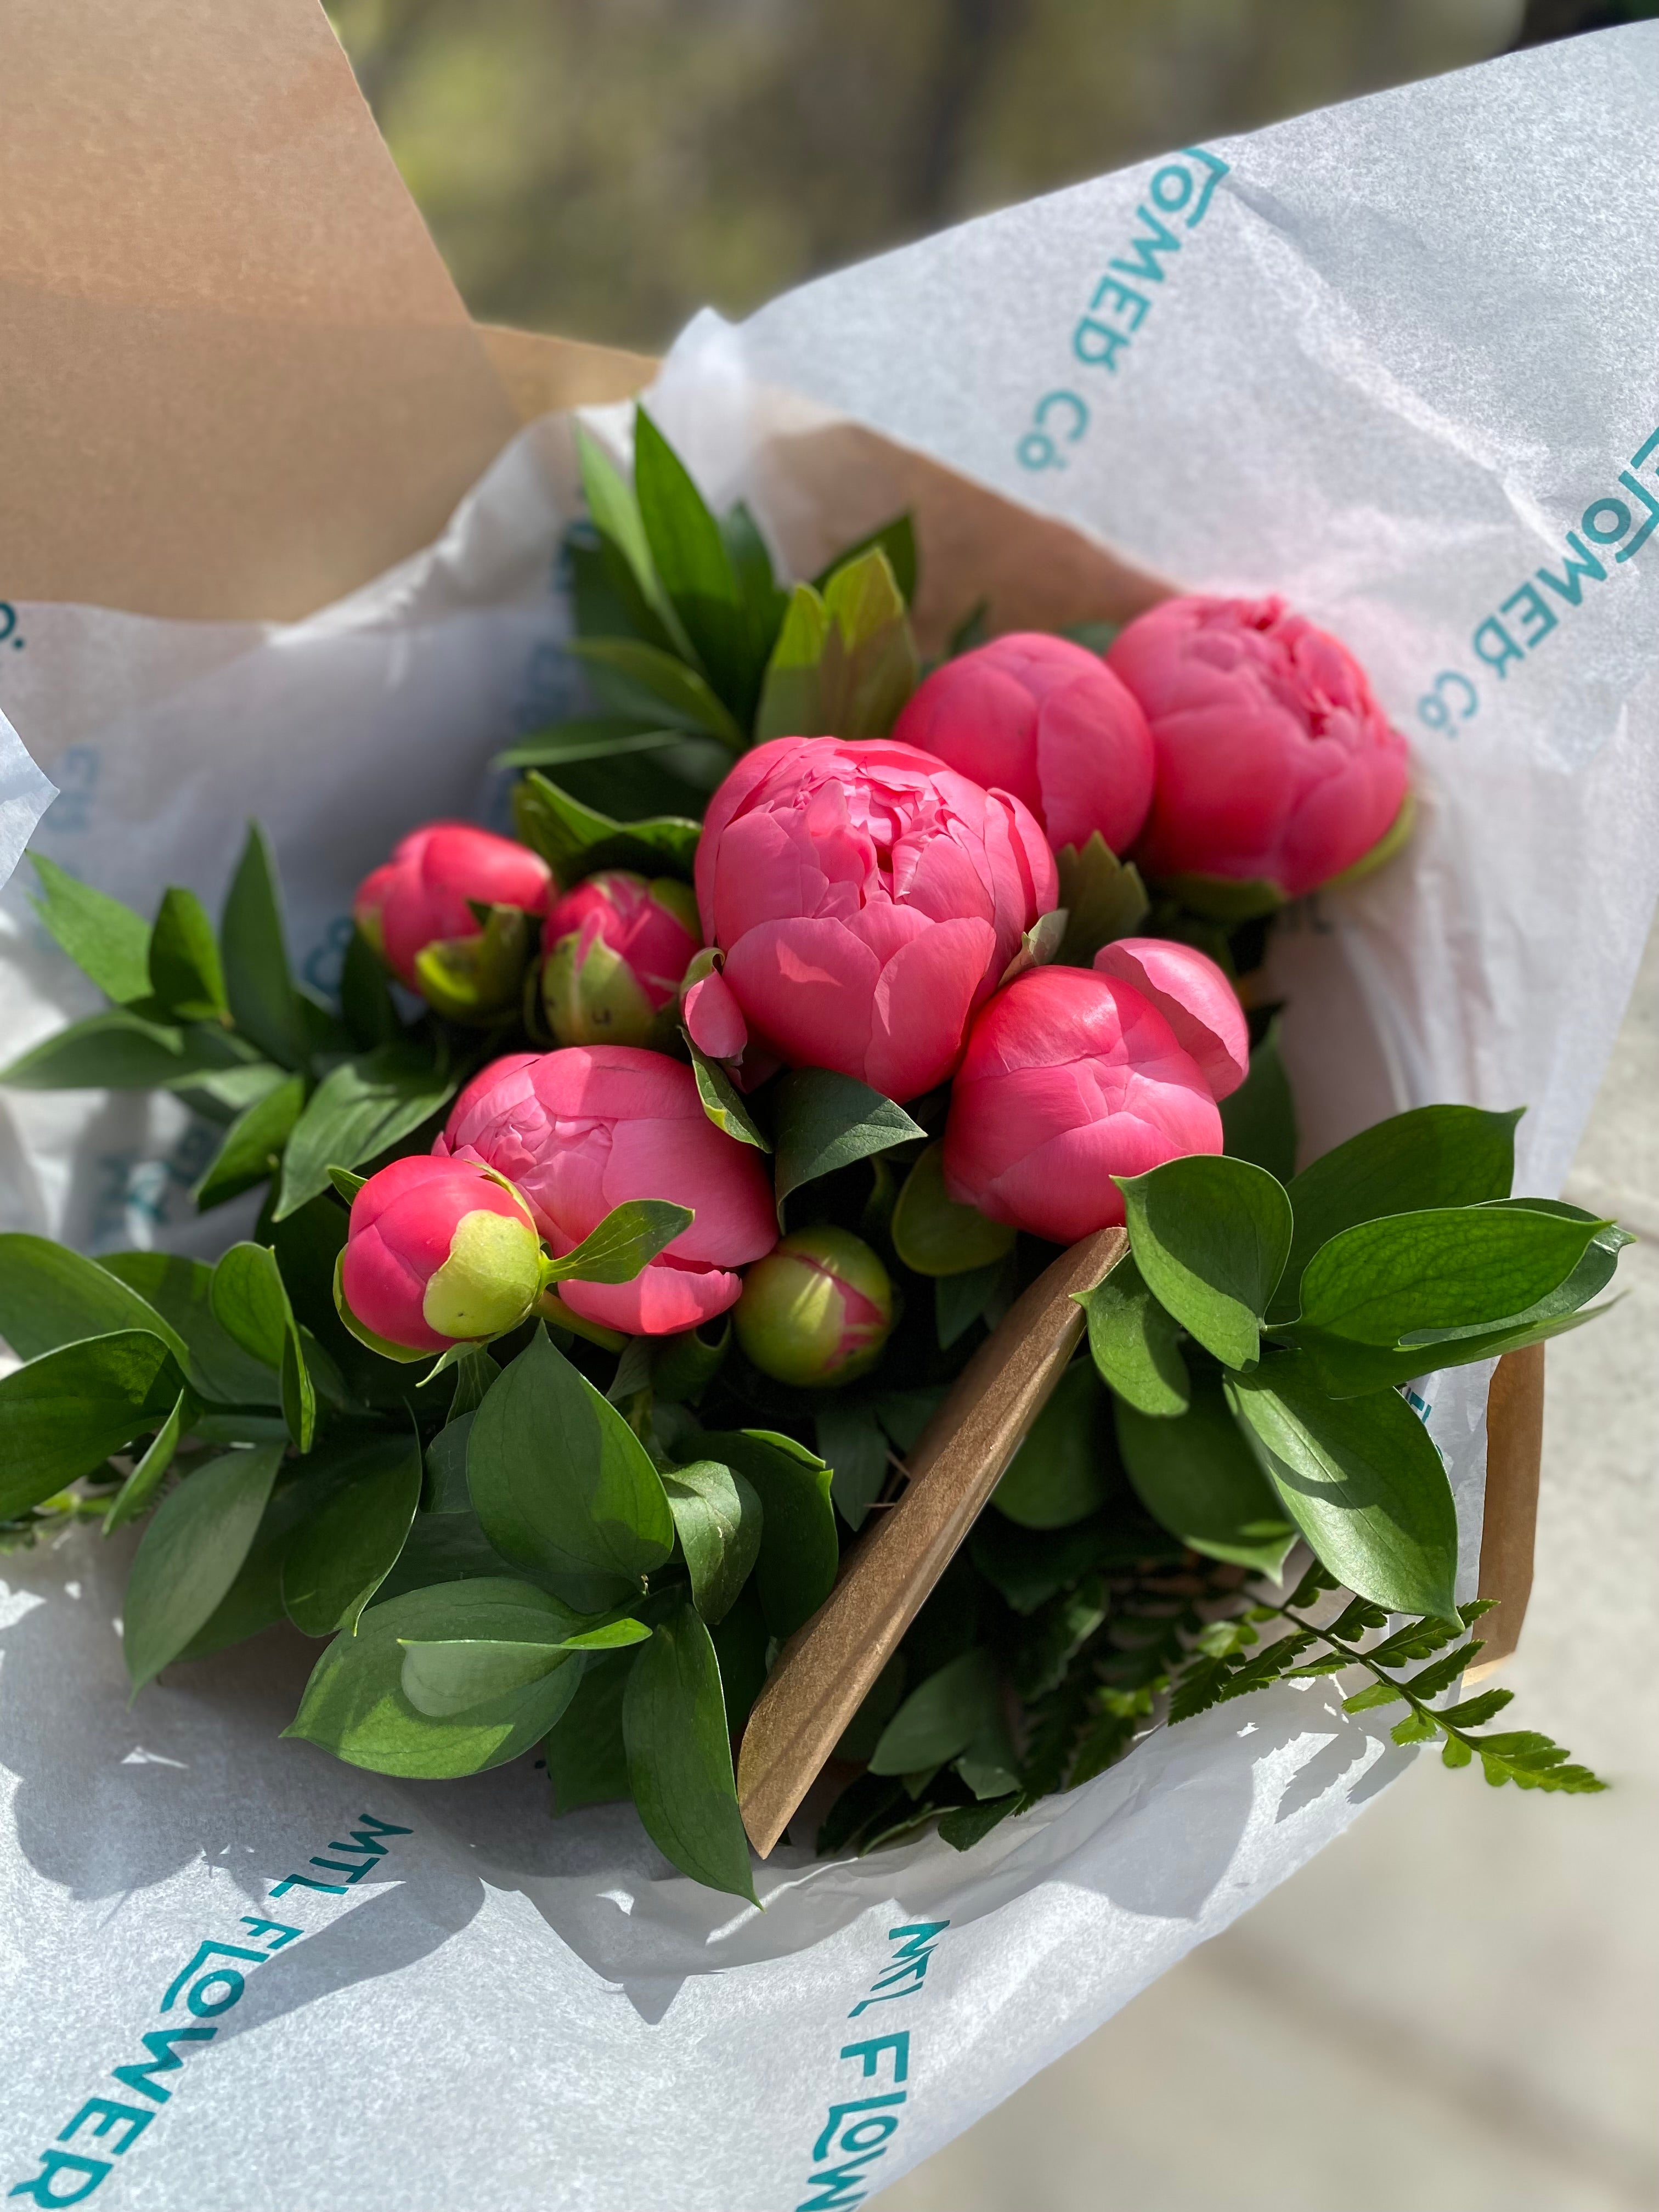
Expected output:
(867, 900)
(818, 1311)
(1274, 762)
(615, 949)
(582, 1130)
(1048, 721)
(417, 912)
(439, 1252)
(1070, 1078)
(1195, 998)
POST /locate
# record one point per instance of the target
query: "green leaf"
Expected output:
(723, 1102)
(63, 1414)
(845, 661)
(563, 1486)
(692, 559)
(185, 971)
(1258, 1119)
(1454, 1267)
(799, 1550)
(344, 1553)
(960, 1300)
(1029, 1566)
(113, 1051)
(503, 1648)
(897, 540)
(107, 940)
(360, 1110)
(263, 1001)
(1210, 1236)
(253, 1149)
(250, 1305)
(191, 1554)
(221, 1094)
(587, 738)
(1228, 899)
(1135, 1344)
(823, 1122)
(1342, 1369)
(141, 1483)
(627, 1240)
(718, 1519)
(1362, 1481)
(1063, 1471)
(641, 679)
(679, 1757)
(356, 1707)
(586, 1758)
(764, 603)
(442, 1547)
(629, 569)
(367, 1007)
(51, 1295)
(1103, 898)
(574, 839)
(1199, 1478)
(1434, 1156)
(933, 1234)
(851, 1442)
(181, 1291)
(941, 1716)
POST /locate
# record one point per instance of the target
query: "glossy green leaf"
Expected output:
(897, 540)
(851, 1439)
(1135, 1344)
(142, 1483)
(1258, 1119)
(630, 570)
(933, 1234)
(723, 1102)
(563, 1486)
(249, 1302)
(1210, 1236)
(222, 1094)
(799, 1550)
(182, 1290)
(679, 1756)
(641, 679)
(1063, 1471)
(587, 738)
(628, 1239)
(764, 602)
(683, 1365)
(1199, 1477)
(360, 1109)
(845, 661)
(252, 1148)
(717, 1516)
(1103, 898)
(575, 839)
(1342, 1369)
(185, 971)
(191, 1554)
(691, 556)
(1228, 899)
(587, 1757)
(505, 1649)
(113, 1051)
(941, 1716)
(356, 1707)
(254, 1600)
(50, 1296)
(345, 1551)
(1452, 1268)
(107, 940)
(1434, 1156)
(62, 1415)
(1362, 1481)
(443, 1547)
(960, 1300)
(823, 1121)
(258, 982)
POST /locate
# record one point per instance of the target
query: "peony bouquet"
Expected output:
(635, 1221)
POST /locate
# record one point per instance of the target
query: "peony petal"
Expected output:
(714, 1019)
(1194, 996)
(660, 1301)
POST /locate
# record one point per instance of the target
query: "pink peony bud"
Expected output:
(867, 900)
(615, 951)
(1048, 721)
(1274, 762)
(583, 1130)
(439, 1252)
(417, 912)
(1195, 998)
(1070, 1078)
(818, 1311)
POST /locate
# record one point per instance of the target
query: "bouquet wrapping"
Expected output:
(1285, 389)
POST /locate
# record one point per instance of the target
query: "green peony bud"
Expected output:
(817, 1311)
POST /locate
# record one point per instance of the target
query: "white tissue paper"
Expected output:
(1393, 361)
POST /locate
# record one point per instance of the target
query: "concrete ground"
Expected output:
(1457, 2005)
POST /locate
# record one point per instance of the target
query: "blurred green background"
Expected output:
(603, 168)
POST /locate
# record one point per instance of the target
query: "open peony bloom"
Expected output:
(583, 1130)
(439, 1252)
(1047, 720)
(1274, 762)
(417, 912)
(1195, 998)
(1070, 1078)
(615, 949)
(866, 899)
